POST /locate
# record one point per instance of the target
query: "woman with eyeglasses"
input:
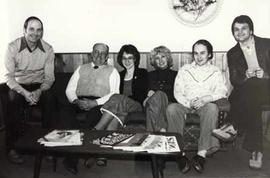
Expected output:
(133, 90)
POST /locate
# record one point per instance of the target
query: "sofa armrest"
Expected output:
(223, 104)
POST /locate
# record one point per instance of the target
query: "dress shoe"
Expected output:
(226, 133)
(256, 160)
(15, 157)
(101, 161)
(70, 167)
(198, 163)
(183, 164)
(90, 162)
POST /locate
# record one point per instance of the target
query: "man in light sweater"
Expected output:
(29, 63)
(90, 86)
(197, 86)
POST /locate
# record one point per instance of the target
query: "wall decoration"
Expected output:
(195, 12)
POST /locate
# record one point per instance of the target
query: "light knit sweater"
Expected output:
(196, 81)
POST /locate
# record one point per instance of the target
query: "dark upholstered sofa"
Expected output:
(32, 114)
(135, 121)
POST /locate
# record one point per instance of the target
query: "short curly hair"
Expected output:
(164, 51)
(129, 49)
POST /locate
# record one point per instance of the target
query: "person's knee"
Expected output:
(211, 108)
(174, 108)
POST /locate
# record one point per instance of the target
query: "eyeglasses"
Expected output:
(131, 58)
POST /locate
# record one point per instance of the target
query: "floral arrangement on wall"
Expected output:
(194, 7)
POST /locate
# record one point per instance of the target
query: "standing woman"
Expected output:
(133, 90)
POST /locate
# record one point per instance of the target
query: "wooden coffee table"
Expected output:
(28, 144)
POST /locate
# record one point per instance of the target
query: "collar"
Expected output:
(95, 66)
(25, 45)
(194, 65)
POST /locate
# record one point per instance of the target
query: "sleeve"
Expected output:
(48, 71)
(72, 86)
(10, 63)
(179, 89)
(236, 78)
(219, 89)
(114, 87)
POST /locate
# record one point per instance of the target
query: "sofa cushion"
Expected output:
(59, 87)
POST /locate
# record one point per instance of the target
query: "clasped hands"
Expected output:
(85, 104)
(254, 73)
(198, 102)
(32, 97)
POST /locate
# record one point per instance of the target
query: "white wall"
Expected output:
(75, 25)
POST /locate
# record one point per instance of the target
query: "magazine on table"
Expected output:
(61, 138)
(112, 139)
(153, 144)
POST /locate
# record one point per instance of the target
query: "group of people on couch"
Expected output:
(165, 96)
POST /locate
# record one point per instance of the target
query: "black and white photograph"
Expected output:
(192, 75)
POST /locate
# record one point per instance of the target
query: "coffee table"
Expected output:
(28, 144)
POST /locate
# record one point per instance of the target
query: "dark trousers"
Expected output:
(16, 108)
(246, 112)
(68, 120)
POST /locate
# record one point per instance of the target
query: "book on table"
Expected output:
(113, 139)
(61, 138)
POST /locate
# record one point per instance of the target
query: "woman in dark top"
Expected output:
(133, 90)
(160, 89)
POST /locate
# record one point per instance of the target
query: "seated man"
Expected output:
(196, 86)
(249, 66)
(89, 88)
(29, 64)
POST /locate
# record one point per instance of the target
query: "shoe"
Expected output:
(225, 133)
(15, 157)
(256, 160)
(101, 161)
(90, 162)
(70, 167)
(183, 164)
(198, 163)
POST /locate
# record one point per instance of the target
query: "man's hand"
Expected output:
(29, 97)
(250, 73)
(259, 73)
(199, 102)
(36, 95)
(85, 104)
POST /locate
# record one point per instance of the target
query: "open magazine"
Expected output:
(61, 138)
(154, 144)
(139, 142)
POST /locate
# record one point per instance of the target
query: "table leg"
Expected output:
(154, 165)
(37, 166)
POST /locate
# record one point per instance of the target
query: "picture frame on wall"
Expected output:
(195, 13)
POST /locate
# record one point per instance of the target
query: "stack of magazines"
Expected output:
(139, 142)
(61, 138)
